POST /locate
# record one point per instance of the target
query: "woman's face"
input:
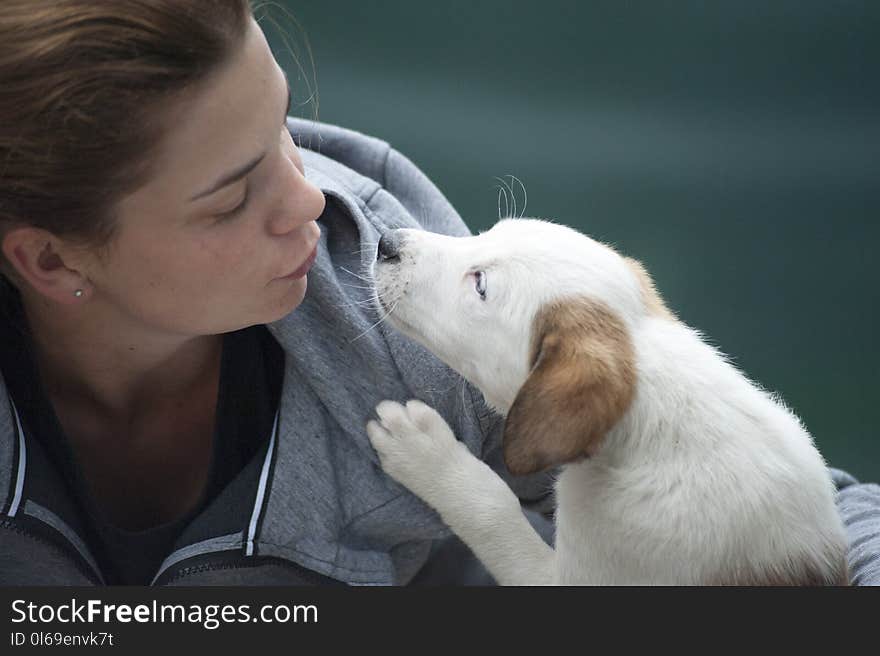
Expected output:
(209, 244)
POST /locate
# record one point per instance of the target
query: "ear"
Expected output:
(40, 259)
(582, 382)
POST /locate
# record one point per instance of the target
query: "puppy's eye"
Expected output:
(480, 283)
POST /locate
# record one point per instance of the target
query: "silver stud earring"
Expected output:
(78, 293)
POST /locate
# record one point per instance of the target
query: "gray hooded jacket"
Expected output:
(315, 496)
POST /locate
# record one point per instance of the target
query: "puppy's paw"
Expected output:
(413, 442)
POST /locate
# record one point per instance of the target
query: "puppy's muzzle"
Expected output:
(389, 246)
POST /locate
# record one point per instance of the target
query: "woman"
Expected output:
(175, 407)
(173, 410)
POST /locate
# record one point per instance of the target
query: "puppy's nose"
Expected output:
(389, 246)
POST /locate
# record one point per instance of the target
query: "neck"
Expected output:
(673, 394)
(116, 367)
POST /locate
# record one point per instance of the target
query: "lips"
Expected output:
(304, 267)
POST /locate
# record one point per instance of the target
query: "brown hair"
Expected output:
(82, 84)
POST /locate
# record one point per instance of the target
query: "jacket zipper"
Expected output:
(309, 577)
(198, 569)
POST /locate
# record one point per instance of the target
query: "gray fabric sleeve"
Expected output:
(859, 506)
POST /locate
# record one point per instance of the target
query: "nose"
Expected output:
(389, 246)
(298, 201)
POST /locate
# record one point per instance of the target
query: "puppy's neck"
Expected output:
(672, 394)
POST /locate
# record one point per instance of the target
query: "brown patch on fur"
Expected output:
(653, 300)
(793, 574)
(582, 381)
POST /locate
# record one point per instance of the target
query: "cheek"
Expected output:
(180, 271)
(214, 253)
(231, 251)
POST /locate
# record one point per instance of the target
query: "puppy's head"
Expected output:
(538, 316)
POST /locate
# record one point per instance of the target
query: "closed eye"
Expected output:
(230, 214)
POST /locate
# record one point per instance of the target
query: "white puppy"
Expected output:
(676, 468)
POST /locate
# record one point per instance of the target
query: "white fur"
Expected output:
(705, 477)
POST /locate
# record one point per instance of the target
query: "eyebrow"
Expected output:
(242, 171)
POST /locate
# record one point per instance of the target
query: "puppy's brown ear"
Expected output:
(581, 383)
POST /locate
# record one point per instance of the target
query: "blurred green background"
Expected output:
(733, 147)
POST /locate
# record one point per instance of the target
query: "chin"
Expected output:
(290, 299)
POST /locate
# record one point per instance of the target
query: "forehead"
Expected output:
(543, 261)
(217, 125)
(544, 242)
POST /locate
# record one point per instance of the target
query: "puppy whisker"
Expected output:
(525, 196)
(362, 304)
(387, 314)
(502, 190)
(347, 284)
(356, 275)
(368, 246)
(509, 187)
